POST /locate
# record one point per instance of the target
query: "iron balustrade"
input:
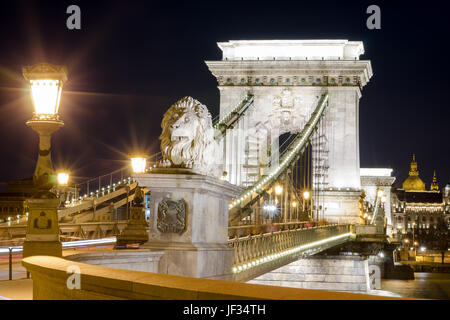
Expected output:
(253, 247)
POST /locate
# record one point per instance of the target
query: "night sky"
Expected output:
(132, 59)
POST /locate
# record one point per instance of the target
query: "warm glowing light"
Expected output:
(383, 199)
(278, 189)
(46, 96)
(63, 178)
(138, 163)
(423, 249)
(416, 243)
(294, 204)
(380, 193)
(224, 176)
(306, 195)
(46, 82)
(406, 240)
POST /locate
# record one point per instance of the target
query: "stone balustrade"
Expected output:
(50, 277)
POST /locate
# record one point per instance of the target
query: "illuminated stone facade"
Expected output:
(373, 180)
(419, 213)
(286, 78)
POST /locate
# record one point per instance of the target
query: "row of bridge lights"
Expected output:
(282, 166)
(228, 116)
(63, 180)
(308, 247)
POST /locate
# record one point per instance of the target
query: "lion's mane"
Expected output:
(197, 153)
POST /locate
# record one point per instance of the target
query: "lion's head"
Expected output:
(187, 139)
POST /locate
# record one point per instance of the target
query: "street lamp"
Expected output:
(63, 179)
(224, 176)
(138, 162)
(42, 236)
(46, 82)
(278, 189)
(306, 195)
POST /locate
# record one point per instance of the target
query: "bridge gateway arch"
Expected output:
(285, 79)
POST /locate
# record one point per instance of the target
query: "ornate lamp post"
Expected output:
(63, 182)
(46, 82)
(306, 196)
(135, 233)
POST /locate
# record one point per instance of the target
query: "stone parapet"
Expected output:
(136, 260)
(50, 276)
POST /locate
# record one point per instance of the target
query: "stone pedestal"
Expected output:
(189, 222)
(43, 230)
(136, 230)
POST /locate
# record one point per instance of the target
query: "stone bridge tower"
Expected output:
(286, 78)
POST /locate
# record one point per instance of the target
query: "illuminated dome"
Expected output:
(413, 182)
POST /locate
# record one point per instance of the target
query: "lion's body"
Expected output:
(187, 139)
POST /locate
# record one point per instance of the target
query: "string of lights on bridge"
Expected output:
(103, 191)
(240, 105)
(275, 256)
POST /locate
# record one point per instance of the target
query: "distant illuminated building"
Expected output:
(413, 182)
(417, 210)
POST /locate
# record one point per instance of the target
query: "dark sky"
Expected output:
(133, 59)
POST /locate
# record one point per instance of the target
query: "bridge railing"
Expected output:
(101, 184)
(255, 229)
(253, 250)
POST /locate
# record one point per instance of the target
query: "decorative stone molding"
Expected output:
(299, 73)
(377, 181)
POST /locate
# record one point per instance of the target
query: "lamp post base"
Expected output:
(42, 248)
(42, 237)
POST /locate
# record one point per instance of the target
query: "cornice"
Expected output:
(377, 181)
(291, 72)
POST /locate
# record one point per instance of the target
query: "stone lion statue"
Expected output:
(187, 139)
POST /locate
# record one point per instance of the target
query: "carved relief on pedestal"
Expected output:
(171, 216)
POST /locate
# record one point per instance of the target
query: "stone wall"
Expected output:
(50, 276)
(336, 273)
(136, 260)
